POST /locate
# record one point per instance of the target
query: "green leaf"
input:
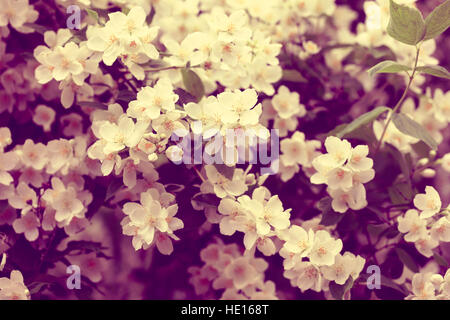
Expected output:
(360, 121)
(401, 193)
(407, 260)
(436, 71)
(406, 24)
(388, 66)
(338, 290)
(440, 260)
(93, 14)
(193, 83)
(437, 21)
(293, 76)
(329, 216)
(386, 282)
(411, 128)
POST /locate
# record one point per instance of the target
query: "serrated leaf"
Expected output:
(193, 83)
(293, 76)
(407, 260)
(411, 128)
(437, 21)
(388, 66)
(360, 121)
(406, 24)
(436, 71)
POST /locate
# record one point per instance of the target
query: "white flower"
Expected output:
(440, 230)
(266, 214)
(339, 271)
(355, 198)
(414, 226)
(64, 200)
(298, 240)
(5, 138)
(8, 162)
(149, 221)
(34, 155)
(44, 117)
(124, 35)
(429, 202)
(151, 100)
(422, 287)
(305, 275)
(24, 198)
(225, 187)
(14, 288)
(446, 162)
(325, 249)
(426, 245)
(125, 133)
(287, 103)
(17, 13)
(28, 224)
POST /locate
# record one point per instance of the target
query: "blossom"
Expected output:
(5, 138)
(413, 225)
(44, 116)
(305, 275)
(33, 155)
(8, 162)
(287, 103)
(440, 230)
(325, 249)
(145, 220)
(14, 287)
(223, 186)
(344, 169)
(298, 240)
(355, 198)
(429, 202)
(28, 224)
(151, 100)
(64, 200)
(124, 35)
(17, 13)
(126, 133)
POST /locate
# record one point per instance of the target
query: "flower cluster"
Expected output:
(259, 217)
(324, 261)
(423, 225)
(226, 268)
(344, 170)
(429, 286)
(152, 221)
